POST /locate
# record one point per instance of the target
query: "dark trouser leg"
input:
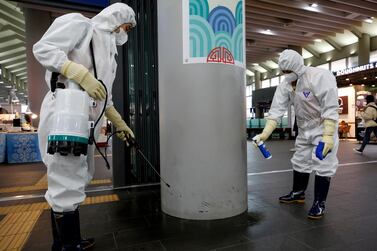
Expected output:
(368, 132)
(68, 227)
(300, 183)
(321, 189)
(56, 245)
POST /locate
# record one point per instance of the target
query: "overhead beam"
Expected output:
(333, 43)
(281, 25)
(12, 9)
(282, 38)
(14, 59)
(12, 47)
(313, 52)
(344, 7)
(356, 32)
(9, 38)
(14, 65)
(357, 3)
(294, 23)
(11, 19)
(19, 70)
(298, 12)
(13, 28)
(281, 30)
(11, 54)
(309, 20)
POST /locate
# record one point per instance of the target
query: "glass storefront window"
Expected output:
(266, 83)
(339, 65)
(373, 56)
(353, 61)
(275, 81)
(324, 66)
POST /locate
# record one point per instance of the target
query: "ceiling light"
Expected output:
(353, 52)
(347, 79)
(351, 84)
(365, 78)
(375, 77)
(362, 85)
(373, 85)
(317, 40)
(8, 86)
(267, 32)
(313, 5)
(255, 64)
(369, 20)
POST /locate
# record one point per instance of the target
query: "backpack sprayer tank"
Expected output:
(71, 129)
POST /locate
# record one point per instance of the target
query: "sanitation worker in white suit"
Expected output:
(314, 94)
(65, 49)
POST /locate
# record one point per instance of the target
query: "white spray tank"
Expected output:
(71, 128)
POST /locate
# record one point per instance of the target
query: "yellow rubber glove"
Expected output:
(125, 132)
(328, 135)
(85, 79)
(268, 129)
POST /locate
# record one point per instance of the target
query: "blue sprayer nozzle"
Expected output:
(263, 149)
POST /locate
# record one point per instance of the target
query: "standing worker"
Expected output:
(370, 121)
(315, 96)
(65, 49)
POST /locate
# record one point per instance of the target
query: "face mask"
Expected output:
(291, 77)
(121, 37)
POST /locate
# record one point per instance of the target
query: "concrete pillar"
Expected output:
(202, 128)
(36, 24)
(364, 49)
(258, 82)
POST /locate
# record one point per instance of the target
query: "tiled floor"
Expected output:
(137, 223)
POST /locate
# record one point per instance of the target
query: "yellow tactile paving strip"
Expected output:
(42, 185)
(16, 226)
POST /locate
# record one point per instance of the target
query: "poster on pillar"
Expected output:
(214, 32)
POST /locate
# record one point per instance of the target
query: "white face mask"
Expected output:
(291, 77)
(121, 37)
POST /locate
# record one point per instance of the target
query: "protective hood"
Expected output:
(113, 16)
(290, 60)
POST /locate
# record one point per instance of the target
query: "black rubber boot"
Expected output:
(297, 195)
(57, 244)
(67, 234)
(321, 189)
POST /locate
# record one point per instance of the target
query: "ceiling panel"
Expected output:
(273, 25)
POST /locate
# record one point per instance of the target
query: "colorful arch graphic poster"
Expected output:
(214, 32)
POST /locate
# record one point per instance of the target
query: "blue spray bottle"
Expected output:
(263, 149)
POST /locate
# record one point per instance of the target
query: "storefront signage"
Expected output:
(356, 69)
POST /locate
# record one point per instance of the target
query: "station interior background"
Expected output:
(337, 35)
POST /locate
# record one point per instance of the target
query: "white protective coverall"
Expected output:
(68, 38)
(315, 98)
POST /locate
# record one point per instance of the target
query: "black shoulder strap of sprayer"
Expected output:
(93, 59)
(54, 82)
(55, 75)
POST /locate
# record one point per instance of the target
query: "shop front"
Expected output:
(354, 85)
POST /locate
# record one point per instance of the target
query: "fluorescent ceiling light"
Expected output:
(317, 40)
(267, 32)
(313, 5)
(249, 73)
(369, 20)
(8, 86)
